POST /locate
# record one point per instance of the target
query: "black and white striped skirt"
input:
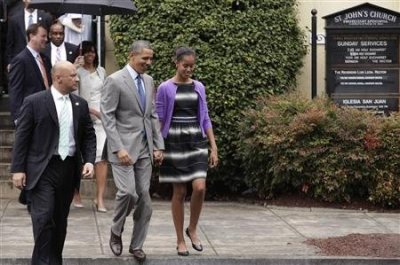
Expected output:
(186, 152)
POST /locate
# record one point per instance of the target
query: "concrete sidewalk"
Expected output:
(231, 233)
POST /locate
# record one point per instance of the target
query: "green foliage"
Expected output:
(315, 147)
(241, 55)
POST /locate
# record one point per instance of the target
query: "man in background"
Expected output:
(29, 71)
(19, 23)
(57, 49)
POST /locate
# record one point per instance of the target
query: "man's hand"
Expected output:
(124, 157)
(158, 156)
(88, 171)
(19, 180)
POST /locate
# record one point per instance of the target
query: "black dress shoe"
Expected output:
(115, 244)
(197, 247)
(182, 253)
(138, 254)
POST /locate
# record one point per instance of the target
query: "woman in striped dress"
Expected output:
(187, 130)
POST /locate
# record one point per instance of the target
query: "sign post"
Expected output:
(314, 53)
(362, 63)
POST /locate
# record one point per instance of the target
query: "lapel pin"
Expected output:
(69, 52)
(76, 103)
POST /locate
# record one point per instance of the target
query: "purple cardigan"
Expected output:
(165, 100)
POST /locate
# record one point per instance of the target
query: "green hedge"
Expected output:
(336, 154)
(241, 55)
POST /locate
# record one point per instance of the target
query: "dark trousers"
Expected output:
(50, 201)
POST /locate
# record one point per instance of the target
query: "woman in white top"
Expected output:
(91, 77)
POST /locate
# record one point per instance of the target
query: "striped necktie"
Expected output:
(64, 123)
(58, 55)
(141, 92)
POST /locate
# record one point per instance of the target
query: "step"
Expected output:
(6, 121)
(7, 137)
(5, 171)
(5, 154)
(87, 189)
(7, 190)
(4, 103)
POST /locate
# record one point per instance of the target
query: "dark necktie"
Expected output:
(141, 92)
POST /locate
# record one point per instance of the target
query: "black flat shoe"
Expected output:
(198, 247)
(182, 253)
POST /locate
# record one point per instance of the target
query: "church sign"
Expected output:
(362, 58)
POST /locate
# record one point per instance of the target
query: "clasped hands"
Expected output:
(126, 159)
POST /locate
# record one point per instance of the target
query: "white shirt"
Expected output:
(63, 52)
(35, 55)
(59, 101)
(34, 17)
(134, 75)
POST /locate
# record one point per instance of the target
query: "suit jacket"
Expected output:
(123, 119)
(36, 137)
(16, 33)
(70, 49)
(25, 78)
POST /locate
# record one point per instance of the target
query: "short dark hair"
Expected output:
(181, 52)
(88, 46)
(33, 29)
(58, 23)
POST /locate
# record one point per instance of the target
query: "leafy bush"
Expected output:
(337, 154)
(241, 55)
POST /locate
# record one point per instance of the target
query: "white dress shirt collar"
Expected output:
(34, 53)
(132, 72)
(56, 94)
(134, 75)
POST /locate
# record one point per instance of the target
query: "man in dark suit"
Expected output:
(54, 138)
(19, 23)
(58, 50)
(29, 70)
(3, 33)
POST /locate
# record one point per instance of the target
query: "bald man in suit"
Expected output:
(55, 144)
